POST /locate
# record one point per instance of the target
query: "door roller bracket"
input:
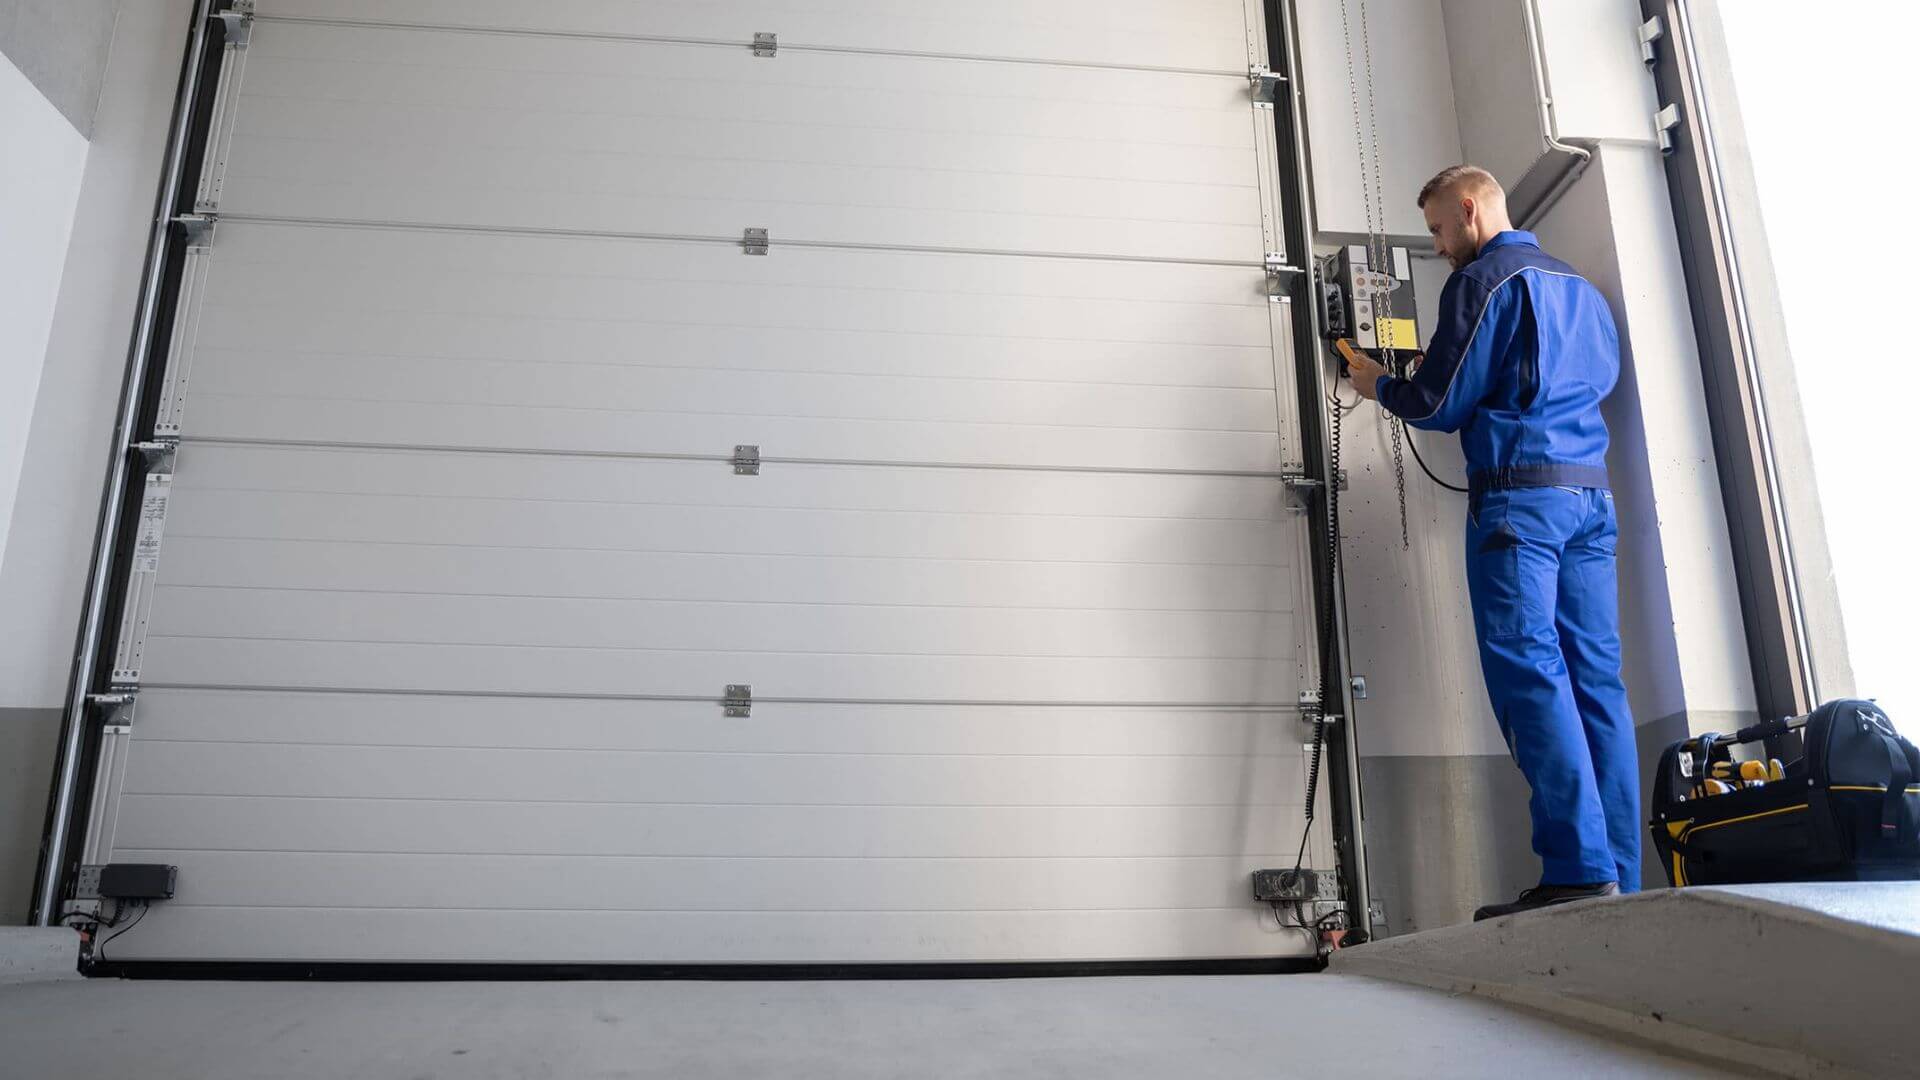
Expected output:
(1265, 85)
(237, 17)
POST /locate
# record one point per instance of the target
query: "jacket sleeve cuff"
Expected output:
(1380, 390)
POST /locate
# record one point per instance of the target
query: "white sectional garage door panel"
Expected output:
(353, 123)
(456, 567)
(403, 337)
(1204, 35)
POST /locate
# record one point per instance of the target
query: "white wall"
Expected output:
(1408, 117)
(39, 184)
(1599, 90)
(49, 547)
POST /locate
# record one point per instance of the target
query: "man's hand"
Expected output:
(1364, 372)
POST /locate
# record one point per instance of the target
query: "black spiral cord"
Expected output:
(1329, 639)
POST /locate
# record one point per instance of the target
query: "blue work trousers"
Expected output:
(1540, 570)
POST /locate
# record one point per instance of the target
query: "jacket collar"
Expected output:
(1511, 236)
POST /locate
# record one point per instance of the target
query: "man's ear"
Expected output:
(1469, 210)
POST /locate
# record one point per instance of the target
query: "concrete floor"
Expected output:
(1115, 1029)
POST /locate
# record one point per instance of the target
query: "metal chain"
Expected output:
(1380, 256)
(1353, 95)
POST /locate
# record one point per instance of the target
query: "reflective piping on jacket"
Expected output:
(1475, 332)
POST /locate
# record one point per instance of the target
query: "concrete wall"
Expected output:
(49, 546)
(61, 47)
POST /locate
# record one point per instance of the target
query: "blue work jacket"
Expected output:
(1522, 355)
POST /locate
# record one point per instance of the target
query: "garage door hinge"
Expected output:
(1651, 31)
(238, 17)
(746, 461)
(738, 700)
(1665, 122)
(754, 241)
(766, 44)
(1265, 84)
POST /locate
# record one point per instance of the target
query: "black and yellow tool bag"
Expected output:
(1844, 807)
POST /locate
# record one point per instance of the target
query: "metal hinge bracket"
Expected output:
(1280, 275)
(238, 18)
(115, 706)
(158, 452)
(1664, 123)
(198, 227)
(746, 460)
(86, 883)
(1300, 490)
(766, 44)
(1265, 84)
(754, 241)
(1358, 684)
(1651, 31)
(738, 700)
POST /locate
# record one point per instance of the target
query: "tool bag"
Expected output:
(1846, 808)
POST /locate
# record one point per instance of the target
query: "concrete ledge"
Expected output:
(38, 954)
(1799, 980)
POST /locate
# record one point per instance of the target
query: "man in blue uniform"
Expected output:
(1523, 353)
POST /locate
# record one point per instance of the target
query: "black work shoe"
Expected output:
(1547, 896)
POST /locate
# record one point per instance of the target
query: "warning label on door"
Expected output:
(153, 517)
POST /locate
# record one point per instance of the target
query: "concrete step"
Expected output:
(1794, 980)
(38, 954)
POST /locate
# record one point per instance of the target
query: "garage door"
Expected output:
(546, 574)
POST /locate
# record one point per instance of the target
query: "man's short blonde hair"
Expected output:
(1476, 181)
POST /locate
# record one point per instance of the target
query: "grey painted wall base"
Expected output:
(1805, 980)
(1444, 836)
(28, 741)
(1448, 834)
(61, 45)
(38, 954)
